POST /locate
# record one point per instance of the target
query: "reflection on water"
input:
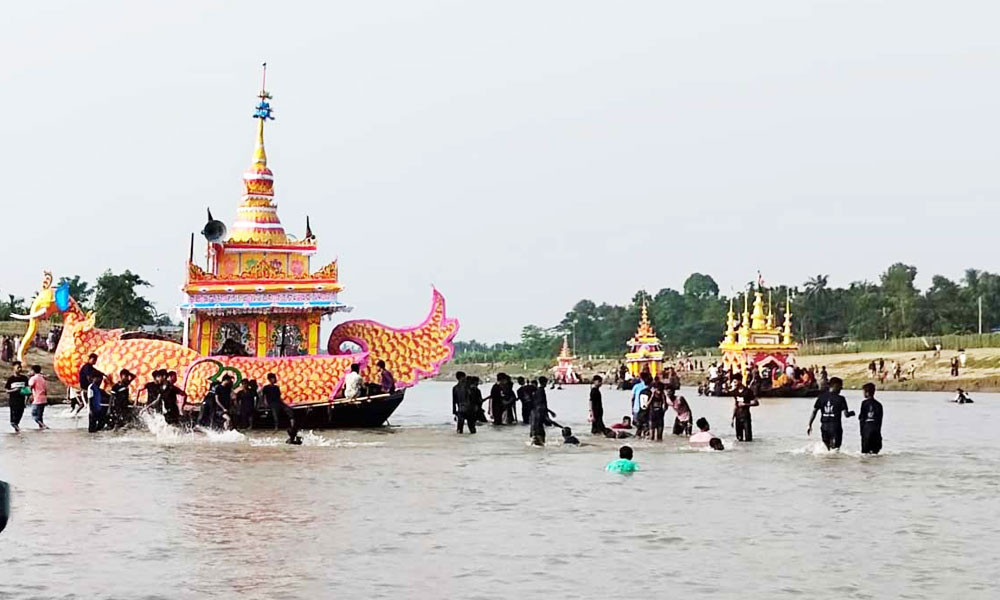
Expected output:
(418, 512)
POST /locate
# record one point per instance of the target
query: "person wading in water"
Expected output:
(596, 407)
(870, 418)
(832, 405)
(540, 414)
(460, 405)
(743, 399)
(16, 385)
(524, 393)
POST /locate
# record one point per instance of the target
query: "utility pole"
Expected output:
(980, 314)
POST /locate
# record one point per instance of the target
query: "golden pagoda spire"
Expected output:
(786, 337)
(745, 323)
(257, 217)
(770, 310)
(645, 329)
(259, 155)
(758, 320)
(730, 324)
(564, 353)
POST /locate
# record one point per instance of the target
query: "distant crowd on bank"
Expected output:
(10, 345)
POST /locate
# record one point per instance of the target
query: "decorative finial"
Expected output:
(263, 110)
(309, 231)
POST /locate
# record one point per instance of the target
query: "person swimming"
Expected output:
(569, 438)
(961, 397)
(705, 438)
(624, 464)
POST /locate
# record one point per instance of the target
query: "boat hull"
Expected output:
(363, 413)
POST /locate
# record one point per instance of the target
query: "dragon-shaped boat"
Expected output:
(256, 308)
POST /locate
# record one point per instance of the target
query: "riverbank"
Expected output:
(980, 374)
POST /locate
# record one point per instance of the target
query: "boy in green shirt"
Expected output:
(624, 464)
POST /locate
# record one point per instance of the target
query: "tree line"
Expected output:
(115, 299)
(694, 317)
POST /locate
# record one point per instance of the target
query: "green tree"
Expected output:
(901, 299)
(13, 306)
(538, 343)
(701, 286)
(945, 309)
(118, 304)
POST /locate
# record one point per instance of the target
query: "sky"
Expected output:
(519, 156)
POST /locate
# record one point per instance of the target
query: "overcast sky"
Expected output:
(518, 155)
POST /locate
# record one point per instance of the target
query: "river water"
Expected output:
(418, 512)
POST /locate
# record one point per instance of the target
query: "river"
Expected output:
(417, 512)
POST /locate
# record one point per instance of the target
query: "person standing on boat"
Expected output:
(870, 418)
(15, 386)
(39, 396)
(524, 392)
(540, 414)
(596, 407)
(385, 378)
(832, 405)
(272, 394)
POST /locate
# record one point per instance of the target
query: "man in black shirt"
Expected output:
(87, 371)
(272, 394)
(460, 405)
(120, 400)
(15, 398)
(246, 402)
(596, 407)
(224, 403)
(743, 398)
(870, 418)
(540, 414)
(169, 392)
(831, 405)
(153, 389)
(524, 392)
(496, 400)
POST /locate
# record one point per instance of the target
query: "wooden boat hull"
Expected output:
(363, 413)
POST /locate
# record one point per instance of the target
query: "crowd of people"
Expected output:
(10, 345)
(226, 405)
(651, 399)
(880, 371)
(723, 380)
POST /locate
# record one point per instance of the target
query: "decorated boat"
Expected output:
(644, 350)
(565, 370)
(754, 343)
(255, 308)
